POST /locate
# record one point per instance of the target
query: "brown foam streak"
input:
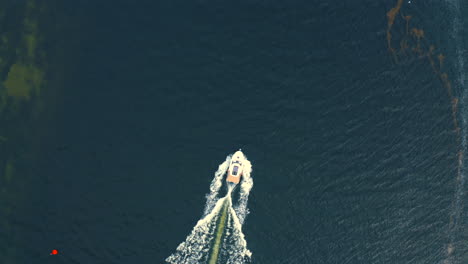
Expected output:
(453, 101)
(391, 14)
(441, 58)
(418, 35)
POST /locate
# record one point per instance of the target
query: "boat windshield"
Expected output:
(234, 170)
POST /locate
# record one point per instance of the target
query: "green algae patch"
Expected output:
(25, 75)
(30, 42)
(28, 48)
(9, 170)
(30, 37)
(23, 80)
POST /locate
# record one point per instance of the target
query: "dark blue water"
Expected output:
(354, 154)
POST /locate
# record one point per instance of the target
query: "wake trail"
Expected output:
(456, 219)
(215, 185)
(246, 185)
(217, 237)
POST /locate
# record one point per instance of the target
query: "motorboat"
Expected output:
(236, 166)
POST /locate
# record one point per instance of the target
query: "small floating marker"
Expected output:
(54, 252)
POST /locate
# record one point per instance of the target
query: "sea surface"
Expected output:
(356, 139)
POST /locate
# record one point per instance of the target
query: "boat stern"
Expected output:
(234, 172)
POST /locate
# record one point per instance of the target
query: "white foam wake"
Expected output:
(215, 186)
(202, 245)
(196, 246)
(246, 185)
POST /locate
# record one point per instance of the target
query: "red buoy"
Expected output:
(54, 252)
